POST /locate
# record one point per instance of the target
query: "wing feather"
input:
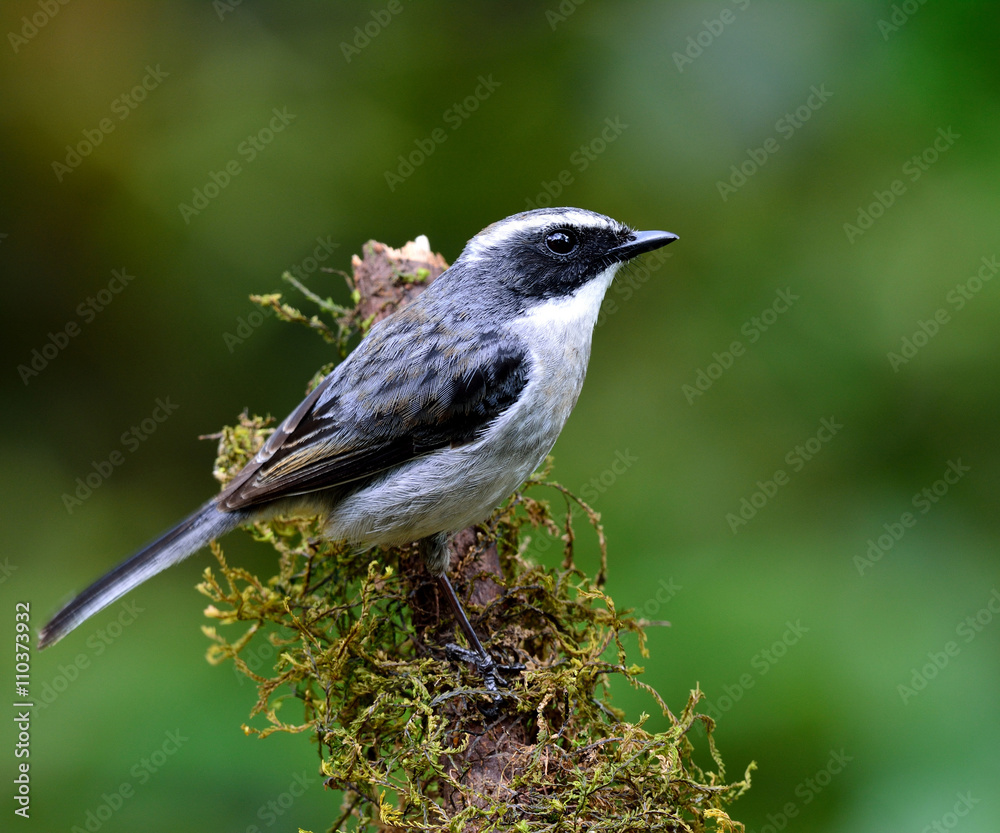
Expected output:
(408, 389)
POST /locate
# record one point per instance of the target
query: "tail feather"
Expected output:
(189, 536)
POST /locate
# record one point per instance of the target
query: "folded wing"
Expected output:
(408, 389)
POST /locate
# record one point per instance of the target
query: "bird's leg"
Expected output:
(435, 551)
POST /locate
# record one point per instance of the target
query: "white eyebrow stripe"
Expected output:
(500, 232)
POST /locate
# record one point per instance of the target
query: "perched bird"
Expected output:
(436, 417)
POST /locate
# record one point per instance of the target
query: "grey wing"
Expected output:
(404, 392)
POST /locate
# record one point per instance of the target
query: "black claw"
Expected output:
(490, 670)
(478, 656)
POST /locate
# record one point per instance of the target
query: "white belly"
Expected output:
(451, 488)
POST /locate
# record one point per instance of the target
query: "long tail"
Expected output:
(189, 536)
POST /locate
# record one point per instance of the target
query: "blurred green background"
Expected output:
(792, 148)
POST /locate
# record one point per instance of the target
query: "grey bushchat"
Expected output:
(441, 412)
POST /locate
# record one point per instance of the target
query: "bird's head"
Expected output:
(553, 252)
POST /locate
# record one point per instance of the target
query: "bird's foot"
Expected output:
(490, 670)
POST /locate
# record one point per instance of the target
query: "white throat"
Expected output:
(577, 312)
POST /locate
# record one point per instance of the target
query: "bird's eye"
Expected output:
(561, 242)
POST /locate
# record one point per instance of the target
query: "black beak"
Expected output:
(639, 243)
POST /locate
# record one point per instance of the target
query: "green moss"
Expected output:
(362, 670)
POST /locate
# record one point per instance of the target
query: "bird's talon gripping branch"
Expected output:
(490, 670)
(484, 663)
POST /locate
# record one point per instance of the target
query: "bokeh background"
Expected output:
(832, 171)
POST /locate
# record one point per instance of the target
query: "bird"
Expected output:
(438, 415)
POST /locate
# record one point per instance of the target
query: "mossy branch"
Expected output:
(361, 666)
